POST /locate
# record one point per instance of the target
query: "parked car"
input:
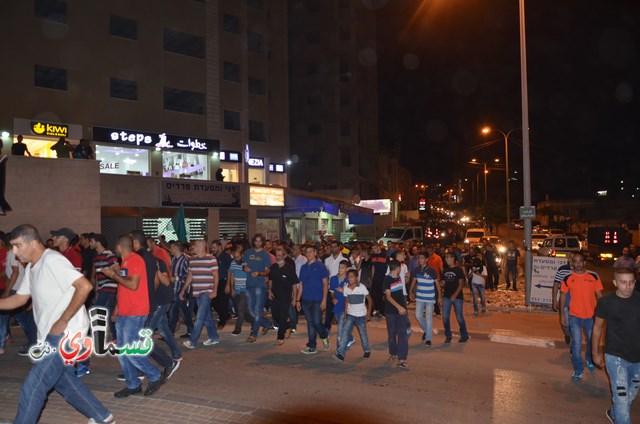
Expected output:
(402, 234)
(559, 246)
(474, 235)
(537, 239)
(556, 232)
(496, 241)
(517, 224)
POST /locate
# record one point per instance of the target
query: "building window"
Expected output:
(256, 131)
(345, 73)
(232, 120)
(183, 43)
(123, 27)
(231, 72)
(345, 98)
(256, 4)
(183, 101)
(345, 129)
(255, 42)
(231, 23)
(124, 89)
(345, 157)
(256, 86)
(48, 77)
(314, 129)
(344, 34)
(51, 10)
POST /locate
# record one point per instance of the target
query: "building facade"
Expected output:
(333, 89)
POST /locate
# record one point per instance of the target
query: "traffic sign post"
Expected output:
(527, 212)
(543, 272)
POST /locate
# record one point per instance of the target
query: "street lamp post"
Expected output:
(477, 162)
(487, 130)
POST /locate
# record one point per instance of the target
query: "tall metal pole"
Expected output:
(478, 188)
(485, 182)
(526, 161)
(506, 178)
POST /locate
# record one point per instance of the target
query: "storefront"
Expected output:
(128, 152)
(230, 163)
(40, 136)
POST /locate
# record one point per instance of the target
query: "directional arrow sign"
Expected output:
(540, 286)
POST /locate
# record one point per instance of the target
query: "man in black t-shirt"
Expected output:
(621, 311)
(452, 281)
(379, 262)
(19, 148)
(398, 325)
(282, 286)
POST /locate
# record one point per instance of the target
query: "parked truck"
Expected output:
(606, 243)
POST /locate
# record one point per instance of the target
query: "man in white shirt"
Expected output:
(58, 292)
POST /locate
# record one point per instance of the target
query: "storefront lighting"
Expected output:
(289, 162)
(157, 149)
(214, 154)
(5, 134)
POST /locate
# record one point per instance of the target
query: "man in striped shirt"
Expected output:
(237, 288)
(203, 279)
(561, 273)
(106, 288)
(179, 273)
(423, 281)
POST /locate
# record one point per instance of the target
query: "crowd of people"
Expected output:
(148, 283)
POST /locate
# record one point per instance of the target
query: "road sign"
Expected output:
(544, 270)
(527, 212)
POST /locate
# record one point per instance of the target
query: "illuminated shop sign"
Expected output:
(276, 167)
(255, 162)
(49, 129)
(230, 156)
(266, 196)
(378, 205)
(161, 141)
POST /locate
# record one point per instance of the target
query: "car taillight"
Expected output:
(553, 253)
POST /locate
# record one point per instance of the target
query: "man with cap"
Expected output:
(63, 239)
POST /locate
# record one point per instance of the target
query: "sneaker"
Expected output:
(351, 342)
(567, 339)
(609, 416)
(109, 420)
(326, 344)
(463, 339)
(185, 336)
(188, 344)
(171, 369)
(447, 340)
(221, 325)
(366, 355)
(251, 338)
(120, 377)
(309, 350)
(126, 392)
(23, 350)
(293, 330)
(427, 343)
(82, 370)
(211, 342)
(235, 333)
(403, 365)
(153, 387)
(590, 366)
(338, 357)
(577, 376)
(279, 342)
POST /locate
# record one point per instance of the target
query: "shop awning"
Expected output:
(360, 219)
(293, 203)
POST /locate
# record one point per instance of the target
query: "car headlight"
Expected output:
(502, 249)
(466, 241)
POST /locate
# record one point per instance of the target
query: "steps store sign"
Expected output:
(161, 141)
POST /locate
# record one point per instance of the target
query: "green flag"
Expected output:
(179, 224)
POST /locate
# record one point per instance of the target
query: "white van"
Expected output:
(474, 235)
(402, 234)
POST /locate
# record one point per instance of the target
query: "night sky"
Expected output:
(449, 67)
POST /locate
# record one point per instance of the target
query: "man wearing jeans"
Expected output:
(203, 277)
(621, 310)
(133, 310)
(179, 273)
(452, 283)
(423, 281)
(583, 286)
(257, 262)
(312, 298)
(58, 292)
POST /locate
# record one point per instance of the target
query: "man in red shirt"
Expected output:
(584, 287)
(63, 239)
(159, 252)
(133, 309)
